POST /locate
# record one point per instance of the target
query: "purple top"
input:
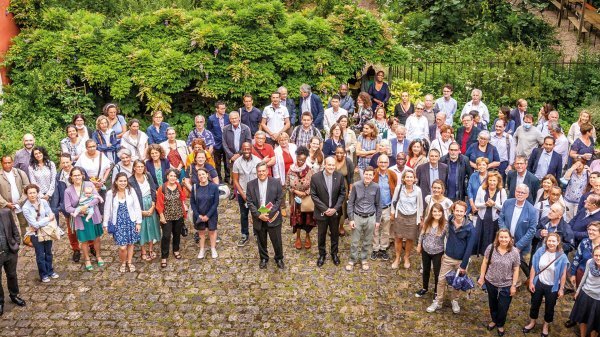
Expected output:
(72, 200)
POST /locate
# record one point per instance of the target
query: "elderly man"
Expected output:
(346, 101)
(435, 129)
(428, 109)
(519, 176)
(544, 160)
(505, 145)
(447, 104)
(333, 113)
(431, 171)
(290, 105)
(234, 135)
(382, 149)
(275, 119)
(467, 133)
(387, 181)
(543, 127)
(400, 143)
(520, 217)
(23, 155)
(201, 132)
(561, 145)
(303, 133)
(527, 137)
(459, 172)
(476, 104)
(417, 126)
(264, 151)
(589, 213)
(311, 102)
(250, 115)
(518, 113)
(12, 181)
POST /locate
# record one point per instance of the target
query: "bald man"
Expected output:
(23, 155)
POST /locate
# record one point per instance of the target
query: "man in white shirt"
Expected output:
(12, 181)
(332, 114)
(505, 144)
(417, 126)
(543, 127)
(275, 119)
(244, 170)
(447, 104)
(562, 143)
(400, 166)
(479, 106)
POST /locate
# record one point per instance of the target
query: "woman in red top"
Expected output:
(416, 154)
(170, 205)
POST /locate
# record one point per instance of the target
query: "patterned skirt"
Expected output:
(125, 234)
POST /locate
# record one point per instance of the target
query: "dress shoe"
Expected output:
(263, 264)
(570, 324)
(321, 261)
(17, 300)
(1, 309)
(280, 264)
(335, 259)
(76, 256)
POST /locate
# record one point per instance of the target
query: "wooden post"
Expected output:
(560, 12)
(583, 3)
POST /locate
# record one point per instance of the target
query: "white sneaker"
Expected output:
(435, 305)
(213, 253)
(455, 307)
(201, 254)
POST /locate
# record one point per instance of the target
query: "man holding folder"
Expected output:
(264, 196)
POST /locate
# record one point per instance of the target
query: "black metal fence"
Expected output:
(500, 81)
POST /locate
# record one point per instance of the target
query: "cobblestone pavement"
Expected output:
(231, 296)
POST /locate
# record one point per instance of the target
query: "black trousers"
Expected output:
(171, 228)
(331, 223)
(221, 160)
(275, 237)
(428, 259)
(9, 262)
(543, 291)
(499, 301)
(524, 265)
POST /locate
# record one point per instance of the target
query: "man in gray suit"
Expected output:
(431, 171)
(234, 135)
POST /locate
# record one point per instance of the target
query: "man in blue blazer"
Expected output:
(311, 102)
(545, 160)
(520, 175)
(400, 143)
(589, 213)
(520, 217)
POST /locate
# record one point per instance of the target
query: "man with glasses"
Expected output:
(435, 129)
(466, 135)
(400, 166)
(505, 145)
(387, 181)
(447, 104)
(417, 126)
(346, 101)
(520, 175)
(201, 132)
(459, 172)
(520, 217)
(589, 213)
(264, 151)
(400, 143)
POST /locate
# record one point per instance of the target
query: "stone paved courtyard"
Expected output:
(231, 296)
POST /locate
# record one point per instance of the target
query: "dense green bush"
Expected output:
(68, 61)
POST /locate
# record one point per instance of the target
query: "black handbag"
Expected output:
(185, 230)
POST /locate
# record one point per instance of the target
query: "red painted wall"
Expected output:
(8, 30)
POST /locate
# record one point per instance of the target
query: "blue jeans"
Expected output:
(244, 211)
(43, 256)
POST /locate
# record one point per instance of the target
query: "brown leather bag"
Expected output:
(307, 204)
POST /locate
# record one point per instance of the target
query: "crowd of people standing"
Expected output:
(515, 192)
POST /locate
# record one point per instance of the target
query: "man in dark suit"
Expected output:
(400, 143)
(431, 171)
(231, 147)
(520, 175)
(311, 102)
(589, 213)
(434, 129)
(518, 113)
(264, 192)
(327, 191)
(9, 249)
(544, 160)
(467, 133)
(520, 217)
(291, 106)
(459, 172)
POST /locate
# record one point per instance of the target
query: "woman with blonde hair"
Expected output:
(575, 130)
(106, 139)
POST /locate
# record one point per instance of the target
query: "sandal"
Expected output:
(177, 255)
(123, 268)
(88, 265)
(100, 263)
(153, 255)
(163, 264)
(146, 257)
(131, 267)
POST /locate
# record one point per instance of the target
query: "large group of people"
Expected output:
(515, 192)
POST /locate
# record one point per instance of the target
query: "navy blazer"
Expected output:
(555, 167)
(57, 201)
(422, 173)
(212, 125)
(316, 106)
(464, 173)
(515, 116)
(432, 132)
(526, 225)
(580, 222)
(530, 180)
(205, 204)
(562, 229)
(164, 166)
(136, 187)
(472, 137)
(329, 147)
(291, 107)
(394, 145)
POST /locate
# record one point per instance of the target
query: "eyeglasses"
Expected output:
(520, 192)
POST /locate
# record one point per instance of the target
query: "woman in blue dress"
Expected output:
(122, 209)
(205, 201)
(379, 91)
